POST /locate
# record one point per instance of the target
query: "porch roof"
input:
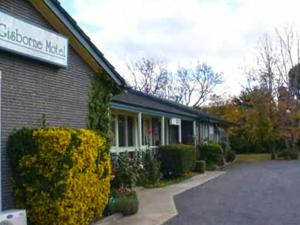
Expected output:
(137, 101)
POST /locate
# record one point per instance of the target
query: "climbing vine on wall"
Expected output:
(102, 90)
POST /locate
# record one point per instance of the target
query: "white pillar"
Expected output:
(162, 130)
(136, 132)
(179, 133)
(140, 130)
(117, 132)
(167, 132)
(195, 132)
(149, 134)
(126, 131)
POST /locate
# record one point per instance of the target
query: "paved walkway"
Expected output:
(157, 205)
(248, 194)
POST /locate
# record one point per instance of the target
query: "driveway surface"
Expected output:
(249, 194)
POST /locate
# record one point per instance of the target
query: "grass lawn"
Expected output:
(259, 157)
(170, 181)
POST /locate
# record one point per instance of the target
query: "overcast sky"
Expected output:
(222, 33)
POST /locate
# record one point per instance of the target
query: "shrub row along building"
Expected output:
(46, 65)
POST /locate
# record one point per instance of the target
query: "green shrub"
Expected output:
(151, 172)
(274, 155)
(210, 166)
(211, 153)
(176, 160)
(289, 154)
(61, 176)
(125, 203)
(200, 166)
(126, 169)
(230, 156)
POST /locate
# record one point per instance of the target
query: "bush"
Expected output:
(210, 166)
(127, 170)
(125, 203)
(200, 166)
(62, 176)
(151, 172)
(289, 154)
(230, 156)
(176, 160)
(211, 153)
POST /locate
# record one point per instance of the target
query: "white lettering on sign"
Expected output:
(175, 121)
(32, 41)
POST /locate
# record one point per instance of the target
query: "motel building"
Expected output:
(46, 66)
(142, 121)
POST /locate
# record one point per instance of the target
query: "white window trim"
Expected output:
(117, 148)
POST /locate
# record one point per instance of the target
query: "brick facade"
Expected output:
(31, 88)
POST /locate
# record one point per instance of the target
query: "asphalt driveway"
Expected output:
(249, 194)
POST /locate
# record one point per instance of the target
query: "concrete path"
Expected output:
(157, 205)
(248, 194)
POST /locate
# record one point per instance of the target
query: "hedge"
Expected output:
(230, 156)
(210, 152)
(200, 166)
(176, 160)
(289, 154)
(61, 176)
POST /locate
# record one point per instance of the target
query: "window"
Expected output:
(124, 126)
(130, 131)
(122, 133)
(146, 132)
(156, 132)
(203, 131)
(210, 132)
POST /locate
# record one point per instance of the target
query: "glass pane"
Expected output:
(146, 132)
(121, 121)
(156, 132)
(130, 131)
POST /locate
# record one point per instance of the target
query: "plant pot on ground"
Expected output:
(123, 201)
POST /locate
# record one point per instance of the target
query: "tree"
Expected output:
(277, 53)
(191, 86)
(294, 81)
(277, 71)
(256, 128)
(150, 76)
(196, 85)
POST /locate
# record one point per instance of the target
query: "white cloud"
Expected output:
(221, 33)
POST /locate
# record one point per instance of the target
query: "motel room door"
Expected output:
(174, 134)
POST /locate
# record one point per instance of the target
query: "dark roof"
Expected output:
(141, 100)
(64, 16)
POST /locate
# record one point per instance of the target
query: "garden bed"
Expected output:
(169, 181)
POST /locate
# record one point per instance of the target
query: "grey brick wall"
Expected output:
(32, 88)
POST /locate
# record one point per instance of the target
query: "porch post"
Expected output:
(140, 130)
(126, 131)
(195, 132)
(117, 132)
(162, 128)
(179, 133)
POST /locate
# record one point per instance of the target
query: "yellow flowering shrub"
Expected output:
(62, 176)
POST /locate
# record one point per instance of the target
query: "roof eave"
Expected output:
(67, 20)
